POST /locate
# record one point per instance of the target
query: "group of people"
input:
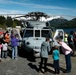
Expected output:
(4, 43)
(67, 49)
(45, 48)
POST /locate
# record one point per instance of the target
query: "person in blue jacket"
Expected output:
(56, 59)
(14, 44)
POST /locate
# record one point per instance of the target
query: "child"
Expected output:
(4, 49)
(56, 59)
(0, 50)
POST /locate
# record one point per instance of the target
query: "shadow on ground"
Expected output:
(33, 66)
(28, 55)
(51, 70)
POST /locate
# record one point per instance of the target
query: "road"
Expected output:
(28, 65)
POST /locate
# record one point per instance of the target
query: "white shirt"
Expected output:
(4, 46)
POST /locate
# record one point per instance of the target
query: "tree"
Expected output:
(17, 22)
(9, 22)
(2, 20)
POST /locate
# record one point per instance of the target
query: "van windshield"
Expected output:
(28, 33)
(37, 33)
(45, 33)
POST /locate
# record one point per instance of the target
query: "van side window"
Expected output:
(60, 34)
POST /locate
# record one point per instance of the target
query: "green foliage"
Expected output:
(18, 23)
(2, 20)
(70, 24)
(3, 26)
(9, 22)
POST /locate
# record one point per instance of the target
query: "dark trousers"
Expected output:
(43, 61)
(73, 48)
(56, 66)
(68, 62)
(75, 45)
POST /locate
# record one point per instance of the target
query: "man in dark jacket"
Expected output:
(71, 42)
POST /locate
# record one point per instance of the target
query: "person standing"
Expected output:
(6, 37)
(66, 38)
(14, 43)
(0, 50)
(67, 52)
(55, 56)
(4, 49)
(1, 40)
(71, 42)
(75, 39)
(45, 48)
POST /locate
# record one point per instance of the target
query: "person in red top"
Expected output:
(6, 37)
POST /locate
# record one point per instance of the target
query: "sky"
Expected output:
(51, 7)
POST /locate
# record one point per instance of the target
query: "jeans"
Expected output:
(68, 62)
(4, 54)
(0, 53)
(14, 52)
(56, 66)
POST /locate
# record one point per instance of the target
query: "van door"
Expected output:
(59, 33)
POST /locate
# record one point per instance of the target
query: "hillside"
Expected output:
(61, 22)
(57, 22)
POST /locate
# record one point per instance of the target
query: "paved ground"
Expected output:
(26, 65)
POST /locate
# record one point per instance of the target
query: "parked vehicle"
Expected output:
(35, 33)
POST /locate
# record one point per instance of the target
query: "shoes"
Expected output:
(54, 72)
(44, 72)
(67, 71)
(39, 71)
(0, 60)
